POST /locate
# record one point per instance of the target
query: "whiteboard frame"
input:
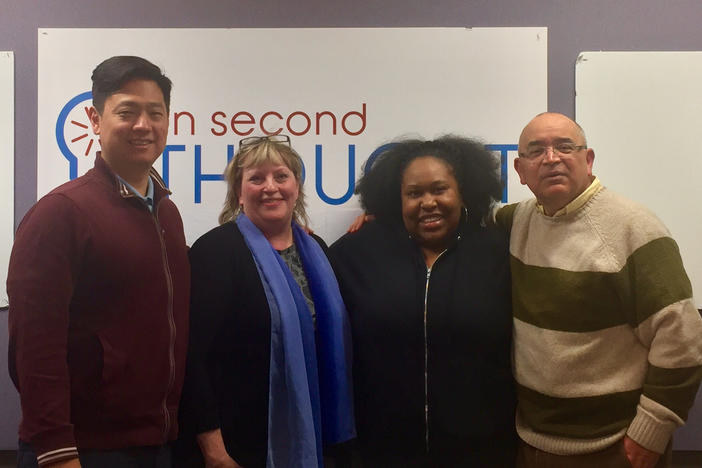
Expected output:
(7, 166)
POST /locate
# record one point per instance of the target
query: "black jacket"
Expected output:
(382, 276)
(226, 380)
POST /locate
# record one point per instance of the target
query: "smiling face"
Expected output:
(132, 127)
(431, 202)
(555, 179)
(268, 195)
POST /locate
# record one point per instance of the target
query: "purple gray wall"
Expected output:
(573, 26)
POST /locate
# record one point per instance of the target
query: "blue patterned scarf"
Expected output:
(310, 396)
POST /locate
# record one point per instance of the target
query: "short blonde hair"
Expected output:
(257, 154)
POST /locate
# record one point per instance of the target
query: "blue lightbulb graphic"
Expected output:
(61, 136)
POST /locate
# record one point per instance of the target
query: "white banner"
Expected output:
(7, 165)
(339, 93)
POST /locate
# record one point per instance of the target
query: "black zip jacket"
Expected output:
(464, 345)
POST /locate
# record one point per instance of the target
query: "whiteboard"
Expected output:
(7, 171)
(642, 114)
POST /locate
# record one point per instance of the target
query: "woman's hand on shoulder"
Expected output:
(362, 219)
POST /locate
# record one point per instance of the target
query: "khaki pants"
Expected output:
(611, 457)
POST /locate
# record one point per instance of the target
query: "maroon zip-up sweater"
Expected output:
(99, 291)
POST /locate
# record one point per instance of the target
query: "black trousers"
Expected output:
(447, 451)
(133, 457)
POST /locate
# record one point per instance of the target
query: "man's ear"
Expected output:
(95, 119)
(517, 162)
(590, 158)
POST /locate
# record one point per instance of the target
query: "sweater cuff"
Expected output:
(53, 445)
(57, 455)
(649, 431)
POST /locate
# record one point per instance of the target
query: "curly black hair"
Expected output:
(476, 170)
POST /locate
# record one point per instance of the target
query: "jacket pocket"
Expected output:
(113, 376)
(85, 363)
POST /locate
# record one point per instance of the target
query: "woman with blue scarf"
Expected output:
(268, 377)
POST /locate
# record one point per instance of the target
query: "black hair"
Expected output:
(476, 170)
(112, 74)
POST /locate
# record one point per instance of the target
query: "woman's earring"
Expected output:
(465, 212)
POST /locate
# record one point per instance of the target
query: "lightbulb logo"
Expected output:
(74, 135)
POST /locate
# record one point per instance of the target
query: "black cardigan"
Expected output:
(226, 382)
(382, 276)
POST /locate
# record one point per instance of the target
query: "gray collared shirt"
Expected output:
(148, 200)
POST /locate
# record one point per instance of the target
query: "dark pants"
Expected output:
(448, 451)
(611, 457)
(133, 457)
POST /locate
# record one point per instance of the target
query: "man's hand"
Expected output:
(638, 456)
(72, 463)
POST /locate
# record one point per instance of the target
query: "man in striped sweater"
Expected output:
(608, 342)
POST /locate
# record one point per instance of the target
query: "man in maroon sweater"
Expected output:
(99, 291)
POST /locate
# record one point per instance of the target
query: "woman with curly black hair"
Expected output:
(427, 288)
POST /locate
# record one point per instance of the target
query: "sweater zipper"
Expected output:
(171, 325)
(426, 356)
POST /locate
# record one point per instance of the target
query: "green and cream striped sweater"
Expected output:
(607, 338)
